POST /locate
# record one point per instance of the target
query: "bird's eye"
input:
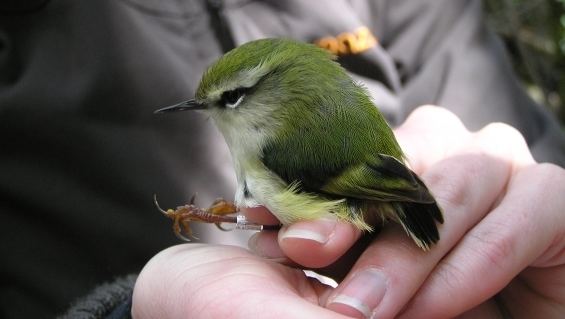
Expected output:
(233, 98)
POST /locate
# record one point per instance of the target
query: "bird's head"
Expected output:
(264, 84)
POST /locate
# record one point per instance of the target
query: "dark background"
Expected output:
(534, 34)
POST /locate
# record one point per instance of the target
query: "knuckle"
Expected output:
(499, 128)
(488, 256)
(450, 275)
(503, 140)
(504, 132)
(496, 246)
(446, 189)
(449, 182)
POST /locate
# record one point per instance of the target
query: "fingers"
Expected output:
(522, 230)
(466, 185)
(315, 244)
(468, 174)
(393, 265)
(189, 281)
(504, 142)
(312, 244)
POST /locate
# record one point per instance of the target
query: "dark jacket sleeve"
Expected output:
(109, 301)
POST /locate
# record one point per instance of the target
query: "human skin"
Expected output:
(502, 246)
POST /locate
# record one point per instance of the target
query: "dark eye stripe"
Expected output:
(230, 98)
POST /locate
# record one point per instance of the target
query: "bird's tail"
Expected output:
(419, 221)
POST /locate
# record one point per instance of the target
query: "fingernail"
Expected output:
(252, 243)
(265, 247)
(319, 230)
(363, 293)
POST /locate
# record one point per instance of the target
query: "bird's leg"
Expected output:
(222, 207)
(183, 215)
(217, 213)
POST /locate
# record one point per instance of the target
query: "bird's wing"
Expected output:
(382, 178)
(346, 151)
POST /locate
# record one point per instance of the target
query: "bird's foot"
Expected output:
(182, 216)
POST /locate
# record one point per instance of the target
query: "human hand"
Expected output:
(504, 232)
(213, 281)
(502, 246)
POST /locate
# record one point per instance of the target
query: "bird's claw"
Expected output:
(217, 213)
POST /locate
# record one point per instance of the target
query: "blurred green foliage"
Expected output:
(534, 34)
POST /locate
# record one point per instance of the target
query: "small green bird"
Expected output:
(307, 140)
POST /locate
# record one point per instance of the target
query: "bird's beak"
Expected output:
(183, 106)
